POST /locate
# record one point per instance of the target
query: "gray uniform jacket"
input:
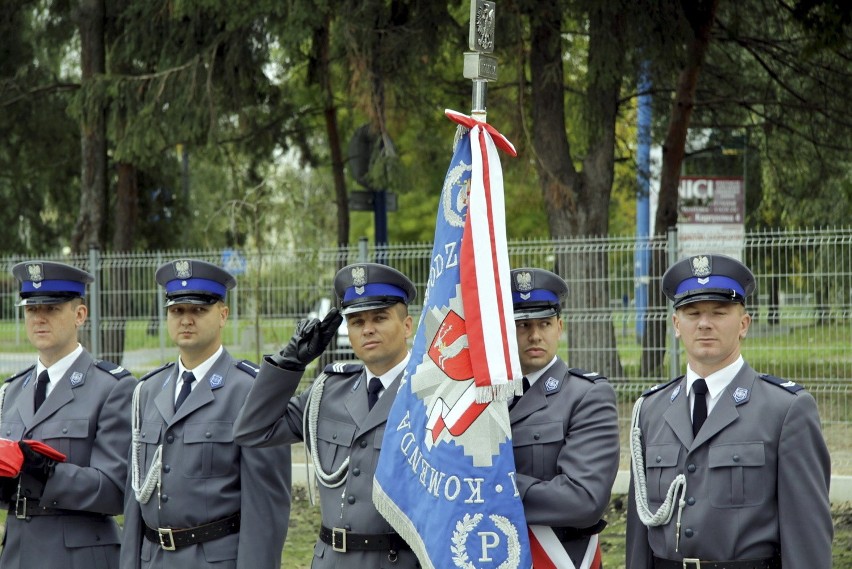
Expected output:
(345, 428)
(566, 446)
(206, 476)
(86, 418)
(757, 476)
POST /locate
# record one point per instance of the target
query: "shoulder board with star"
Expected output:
(340, 368)
(21, 373)
(156, 371)
(114, 370)
(790, 386)
(248, 366)
(660, 387)
(592, 376)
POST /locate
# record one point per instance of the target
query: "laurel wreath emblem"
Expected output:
(468, 524)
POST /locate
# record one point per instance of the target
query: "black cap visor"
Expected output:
(371, 303)
(53, 298)
(199, 299)
(714, 295)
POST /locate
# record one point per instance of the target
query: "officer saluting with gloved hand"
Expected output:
(61, 513)
(342, 416)
(195, 499)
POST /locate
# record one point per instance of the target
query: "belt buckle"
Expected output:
(691, 563)
(341, 532)
(21, 512)
(166, 532)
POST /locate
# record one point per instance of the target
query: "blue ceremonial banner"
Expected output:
(446, 474)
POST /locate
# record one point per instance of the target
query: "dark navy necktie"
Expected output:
(41, 388)
(699, 407)
(373, 389)
(187, 378)
(518, 397)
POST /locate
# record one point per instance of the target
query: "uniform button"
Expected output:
(8, 433)
(351, 499)
(659, 458)
(167, 468)
(736, 458)
(537, 436)
(30, 435)
(356, 472)
(64, 430)
(363, 444)
(691, 468)
(143, 434)
(334, 436)
(347, 527)
(689, 533)
(164, 498)
(691, 501)
(170, 439)
(55, 503)
(208, 434)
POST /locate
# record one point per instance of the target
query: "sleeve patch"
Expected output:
(790, 386)
(156, 371)
(592, 376)
(113, 369)
(248, 366)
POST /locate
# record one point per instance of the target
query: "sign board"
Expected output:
(711, 216)
(233, 262)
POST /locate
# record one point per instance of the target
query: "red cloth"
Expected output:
(12, 459)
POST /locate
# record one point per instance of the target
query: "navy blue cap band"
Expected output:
(196, 285)
(53, 285)
(537, 295)
(373, 289)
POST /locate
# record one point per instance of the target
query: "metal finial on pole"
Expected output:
(479, 66)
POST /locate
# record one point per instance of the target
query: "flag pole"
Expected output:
(480, 66)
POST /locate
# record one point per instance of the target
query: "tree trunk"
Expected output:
(701, 15)
(89, 226)
(578, 202)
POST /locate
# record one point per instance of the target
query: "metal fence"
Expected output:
(800, 331)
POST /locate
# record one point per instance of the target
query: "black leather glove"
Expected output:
(8, 489)
(35, 464)
(308, 342)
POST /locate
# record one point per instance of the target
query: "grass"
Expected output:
(305, 522)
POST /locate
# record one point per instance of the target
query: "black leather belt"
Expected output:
(688, 563)
(569, 534)
(170, 538)
(25, 508)
(342, 541)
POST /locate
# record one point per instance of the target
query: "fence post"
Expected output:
(95, 303)
(674, 345)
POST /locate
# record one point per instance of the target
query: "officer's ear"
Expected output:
(81, 311)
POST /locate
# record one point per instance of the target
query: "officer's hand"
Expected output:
(308, 342)
(35, 464)
(8, 488)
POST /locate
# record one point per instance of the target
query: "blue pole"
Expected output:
(643, 161)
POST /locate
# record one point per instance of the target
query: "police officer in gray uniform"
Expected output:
(729, 465)
(342, 416)
(194, 497)
(564, 427)
(61, 513)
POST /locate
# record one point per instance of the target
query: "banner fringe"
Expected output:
(489, 393)
(401, 523)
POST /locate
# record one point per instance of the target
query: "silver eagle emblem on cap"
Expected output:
(523, 281)
(359, 279)
(183, 269)
(701, 266)
(35, 272)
